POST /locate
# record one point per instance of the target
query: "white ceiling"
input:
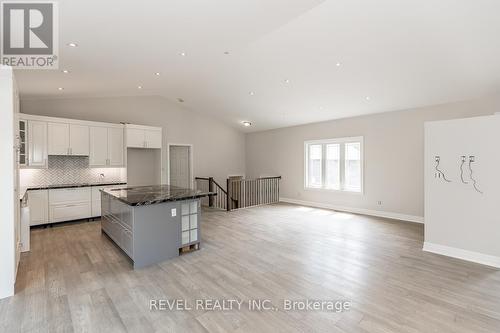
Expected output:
(400, 54)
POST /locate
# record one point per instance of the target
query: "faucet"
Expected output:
(101, 177)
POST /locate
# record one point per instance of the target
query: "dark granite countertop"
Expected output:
(154, 194)
(56, 186)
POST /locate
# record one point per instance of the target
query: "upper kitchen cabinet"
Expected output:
(68, 139)
(37, 144)
(58, 138)
(115, 146)
(79, 140)
(143, 136)
(98, 146)
(23, 139)
(106, 146)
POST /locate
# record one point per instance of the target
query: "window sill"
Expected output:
(321, 189)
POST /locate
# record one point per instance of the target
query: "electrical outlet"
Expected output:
(379, 203)
(472, 158)
(464, 158)
(174, 212)
(437, 158)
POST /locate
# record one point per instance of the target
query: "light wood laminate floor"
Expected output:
(75, 279)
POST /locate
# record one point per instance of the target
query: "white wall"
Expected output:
(394, 147)
(7, 180)
(219, 150)
(459, 221)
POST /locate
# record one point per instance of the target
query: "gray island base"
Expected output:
(152, 231)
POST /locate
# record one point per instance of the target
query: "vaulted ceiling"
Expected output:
(276, 63)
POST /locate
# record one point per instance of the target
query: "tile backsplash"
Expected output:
(70, 170)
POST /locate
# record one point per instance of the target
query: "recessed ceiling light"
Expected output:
(65, 71)
(60, 88)
(287, 81)
(226, 52)
(251, 93)
(157, 73)
(139, 87)
(338, 64)
(180, 100)
(72, 44)
(182, 54)
(246, 123)
(367, 98)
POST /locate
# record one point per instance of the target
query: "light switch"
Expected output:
(174, 212)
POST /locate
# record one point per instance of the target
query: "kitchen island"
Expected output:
(152, 223)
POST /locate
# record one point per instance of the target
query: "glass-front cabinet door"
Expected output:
(23, 147)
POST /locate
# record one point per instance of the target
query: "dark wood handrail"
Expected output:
(211, 182)
(260, 178)
(242, 193)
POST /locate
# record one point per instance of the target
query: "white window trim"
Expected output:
(345, 140)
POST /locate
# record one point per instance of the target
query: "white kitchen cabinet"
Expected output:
(96, 199)
(143, 136)
(68, 139)
(78, 140)
(115, 146)
(58, 138)
(106, 146)
(38, 203)
(152, 138)
(37, 143)
(135, 138)
(22, 142)
(68, 204)
(98, 146)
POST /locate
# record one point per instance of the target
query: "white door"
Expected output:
(98, 146)
(152, 138)
(180, 166)
(115, 146)
(135, 138)
(58, 138)
(37, 142)
(79, 140)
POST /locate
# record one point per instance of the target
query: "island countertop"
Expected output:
(154, 194)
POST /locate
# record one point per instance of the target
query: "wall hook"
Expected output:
(464, 158)
(472, 159)
(440, 173)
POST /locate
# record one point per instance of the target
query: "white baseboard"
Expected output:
(477, 257)
(377, 213)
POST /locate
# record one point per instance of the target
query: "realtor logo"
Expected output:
(29, 34)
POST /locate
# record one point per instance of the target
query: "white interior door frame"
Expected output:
(191, 168)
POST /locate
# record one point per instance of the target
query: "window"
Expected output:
(335, 164)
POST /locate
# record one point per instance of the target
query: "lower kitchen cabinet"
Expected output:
(68, 204)
(38, 203)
